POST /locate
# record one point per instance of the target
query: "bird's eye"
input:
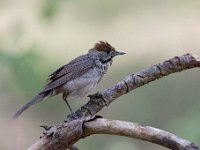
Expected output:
(107, 52)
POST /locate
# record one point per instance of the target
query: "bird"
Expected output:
(78, 78)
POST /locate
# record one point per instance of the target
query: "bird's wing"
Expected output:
(70, 71)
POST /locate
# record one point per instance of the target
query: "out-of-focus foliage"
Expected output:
(50, 8)
(23, 70)
(89, 8)
(36, 37)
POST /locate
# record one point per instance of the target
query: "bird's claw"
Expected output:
(96, 95)
(46, 128)
(72, 116)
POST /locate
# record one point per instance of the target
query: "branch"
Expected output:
(115, 127)
(133, 130)
(66, 134)
(133, 81)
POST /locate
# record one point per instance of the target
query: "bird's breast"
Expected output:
(103, 66)
(85, 84)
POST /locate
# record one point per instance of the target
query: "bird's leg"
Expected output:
(65, 99)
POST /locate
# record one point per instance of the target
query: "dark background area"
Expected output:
(38, 36)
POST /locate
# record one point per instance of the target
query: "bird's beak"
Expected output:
(118, 53)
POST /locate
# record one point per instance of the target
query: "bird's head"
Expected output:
(105, 51)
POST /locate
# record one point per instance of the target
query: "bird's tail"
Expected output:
(34, 100)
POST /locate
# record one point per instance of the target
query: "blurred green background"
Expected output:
(38, 36)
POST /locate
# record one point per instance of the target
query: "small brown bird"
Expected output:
(79, 77)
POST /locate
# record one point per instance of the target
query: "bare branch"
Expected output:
(133, 130)
(133, 81)
(116, 127)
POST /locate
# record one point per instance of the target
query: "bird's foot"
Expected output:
(46, 128)
(95, 96)
(72, 116)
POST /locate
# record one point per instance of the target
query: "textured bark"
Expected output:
(63, 137)
(81, 124)
(133, 130)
